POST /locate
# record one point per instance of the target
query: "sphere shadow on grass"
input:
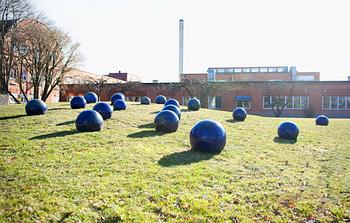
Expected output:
(146, 126)
(12, 117)
(184, 158)
(56, 134)
(284, 141)
(145, 134)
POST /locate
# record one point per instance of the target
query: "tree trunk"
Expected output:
(36, 92)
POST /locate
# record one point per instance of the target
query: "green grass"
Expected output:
(128, 172)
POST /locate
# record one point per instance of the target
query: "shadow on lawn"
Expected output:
(156, 112)
(11, 117)
(55, 134)
(55, 109)
(66, 123)
(232, 121)
(184, 158)
(146, 126)
(284, 141)
(145, 133)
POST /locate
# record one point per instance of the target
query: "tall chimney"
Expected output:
(181, 46)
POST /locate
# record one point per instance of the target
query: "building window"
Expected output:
(336, 103)
(215, 102)
(272, 69)
(293, 102)
(280, 69)
(221, 70)
(263, 69)
(255, 69)
(229, 70)
(211, 74)
(243, 101)
(238, 70)
(246, 70)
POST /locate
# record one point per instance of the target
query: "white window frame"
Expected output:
(347, 106)
(244, 102)
(293, 103)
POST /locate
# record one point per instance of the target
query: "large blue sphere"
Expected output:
(172, 102)
(89, 121)
(288, 130)
(119, 105)
(208, 136)
(78, 102)
(174, 109)
(91, 97)
(322, 120)
(104, 109)
(160, 99)
(36, 107)
(166, 121)
(117, 96)
(145, 100)
(193, 104)
(239, 114)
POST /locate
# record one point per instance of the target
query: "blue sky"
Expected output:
(141, 36)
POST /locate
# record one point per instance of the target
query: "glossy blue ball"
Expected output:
(174, 109)
(239, 114)
(36, 107)
(193, 104)
(104, 109)
(91, 97)
(160, 99)
(117, 96)
(89, 121)
(119, 105)
(288, 130)
(145, 100)
(78, 102)
(166, 121)
(172, 102)
(208, 136)
(322, 120)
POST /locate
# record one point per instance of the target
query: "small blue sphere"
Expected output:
(208, 136)
(239, 114)
(117, 96)
(36, 107)
(78, 102)
(119, 105)
(288, 130)
(166, 121)
(89, 121)
(174, 109)
(91, 97)
(193, 104)
(322, 120)
(160, 99)
(172, 102)
(104, 109)
(145, 100)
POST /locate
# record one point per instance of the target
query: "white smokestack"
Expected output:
(181, 46)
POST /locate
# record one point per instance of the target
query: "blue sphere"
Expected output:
(288, 130)
(208, 136)
(78, 102)
(172, 102)
(160, 99)
(117, 96)
(239, 114)
(166, 121)
(104, 109)
(119, 105)
(89, 121)
(91, 97)
(145, 100)
(322, 120)
(174, 109)
(193, 104)
(36, 107)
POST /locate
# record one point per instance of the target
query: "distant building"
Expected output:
(76, 76)
(271, 73)
(124, 76)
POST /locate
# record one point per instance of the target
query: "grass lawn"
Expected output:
(129, 173)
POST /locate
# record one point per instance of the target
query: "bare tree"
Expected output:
(277, 100)
(11, 12)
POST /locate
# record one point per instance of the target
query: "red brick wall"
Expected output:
(315, 90)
